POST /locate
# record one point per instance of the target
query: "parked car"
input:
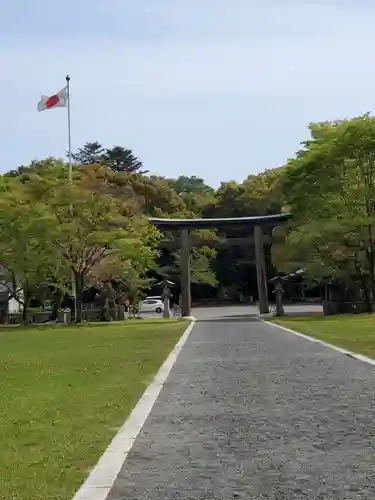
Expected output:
(151, 305)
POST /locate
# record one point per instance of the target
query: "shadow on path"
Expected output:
(236, 318)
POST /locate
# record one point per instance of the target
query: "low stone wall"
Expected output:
(331, 307)
(34, 318)
(113, 314)
(88, 315)
(354, 307)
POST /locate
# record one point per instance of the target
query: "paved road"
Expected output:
(253, 412)
(252, 310)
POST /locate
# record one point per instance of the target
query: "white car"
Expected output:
(151, 305)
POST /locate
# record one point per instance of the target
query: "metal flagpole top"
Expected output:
(67, 78)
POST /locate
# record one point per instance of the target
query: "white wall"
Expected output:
(14, 306)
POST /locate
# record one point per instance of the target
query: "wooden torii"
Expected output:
(186, 225)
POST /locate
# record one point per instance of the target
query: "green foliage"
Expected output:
(91, 153)
(112, 200)
(117, 158)
(258, 195)
(329, 187)
(27, 257)
(51, 227)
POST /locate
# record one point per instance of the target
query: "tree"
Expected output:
(329, 187)
(97, 233)
(117, 158)
(157, 198)
(148, 196)
(121, 281)
(49, 166)
(195, 194)
(27, 258)
(193, 184)
(120, 159)
(116, 177)
(92, 153)
(86, 228)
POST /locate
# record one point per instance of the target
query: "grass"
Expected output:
(353, 332)
(64, 391)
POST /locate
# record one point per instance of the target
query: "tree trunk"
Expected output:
(366, 294)
(79, 290)
(363, 283)
(3, 313)
(372, 279)
(56, 304)
(109, 302)
(371, 262)
(25, 306)
(104, 314)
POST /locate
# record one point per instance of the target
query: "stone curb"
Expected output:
(102, 477)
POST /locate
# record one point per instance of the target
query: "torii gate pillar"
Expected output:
(261, 270)
(185, 274)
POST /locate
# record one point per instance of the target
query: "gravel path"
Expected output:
(252, 412)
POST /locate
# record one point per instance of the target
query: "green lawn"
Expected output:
(64, 391)
(353, 332)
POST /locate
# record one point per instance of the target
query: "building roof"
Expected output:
(259, 220)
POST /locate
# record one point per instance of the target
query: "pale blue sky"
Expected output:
(215, 88)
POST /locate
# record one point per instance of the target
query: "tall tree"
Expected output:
(194, 192)
(329, 187)
(96, 233)
(27, 257)
(121, 280)
(151, 196)
(92, 153)
(193, 184)
(120, 159)
(85, 229)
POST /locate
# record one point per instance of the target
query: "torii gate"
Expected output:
(186, 225)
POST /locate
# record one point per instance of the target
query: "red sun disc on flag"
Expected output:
(52, 101)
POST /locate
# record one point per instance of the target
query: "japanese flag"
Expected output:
(59, 100)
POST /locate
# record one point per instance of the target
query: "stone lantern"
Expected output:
(166, 286)
(278, 291)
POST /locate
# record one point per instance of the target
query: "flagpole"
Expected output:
(70, 177)
(69, 131)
